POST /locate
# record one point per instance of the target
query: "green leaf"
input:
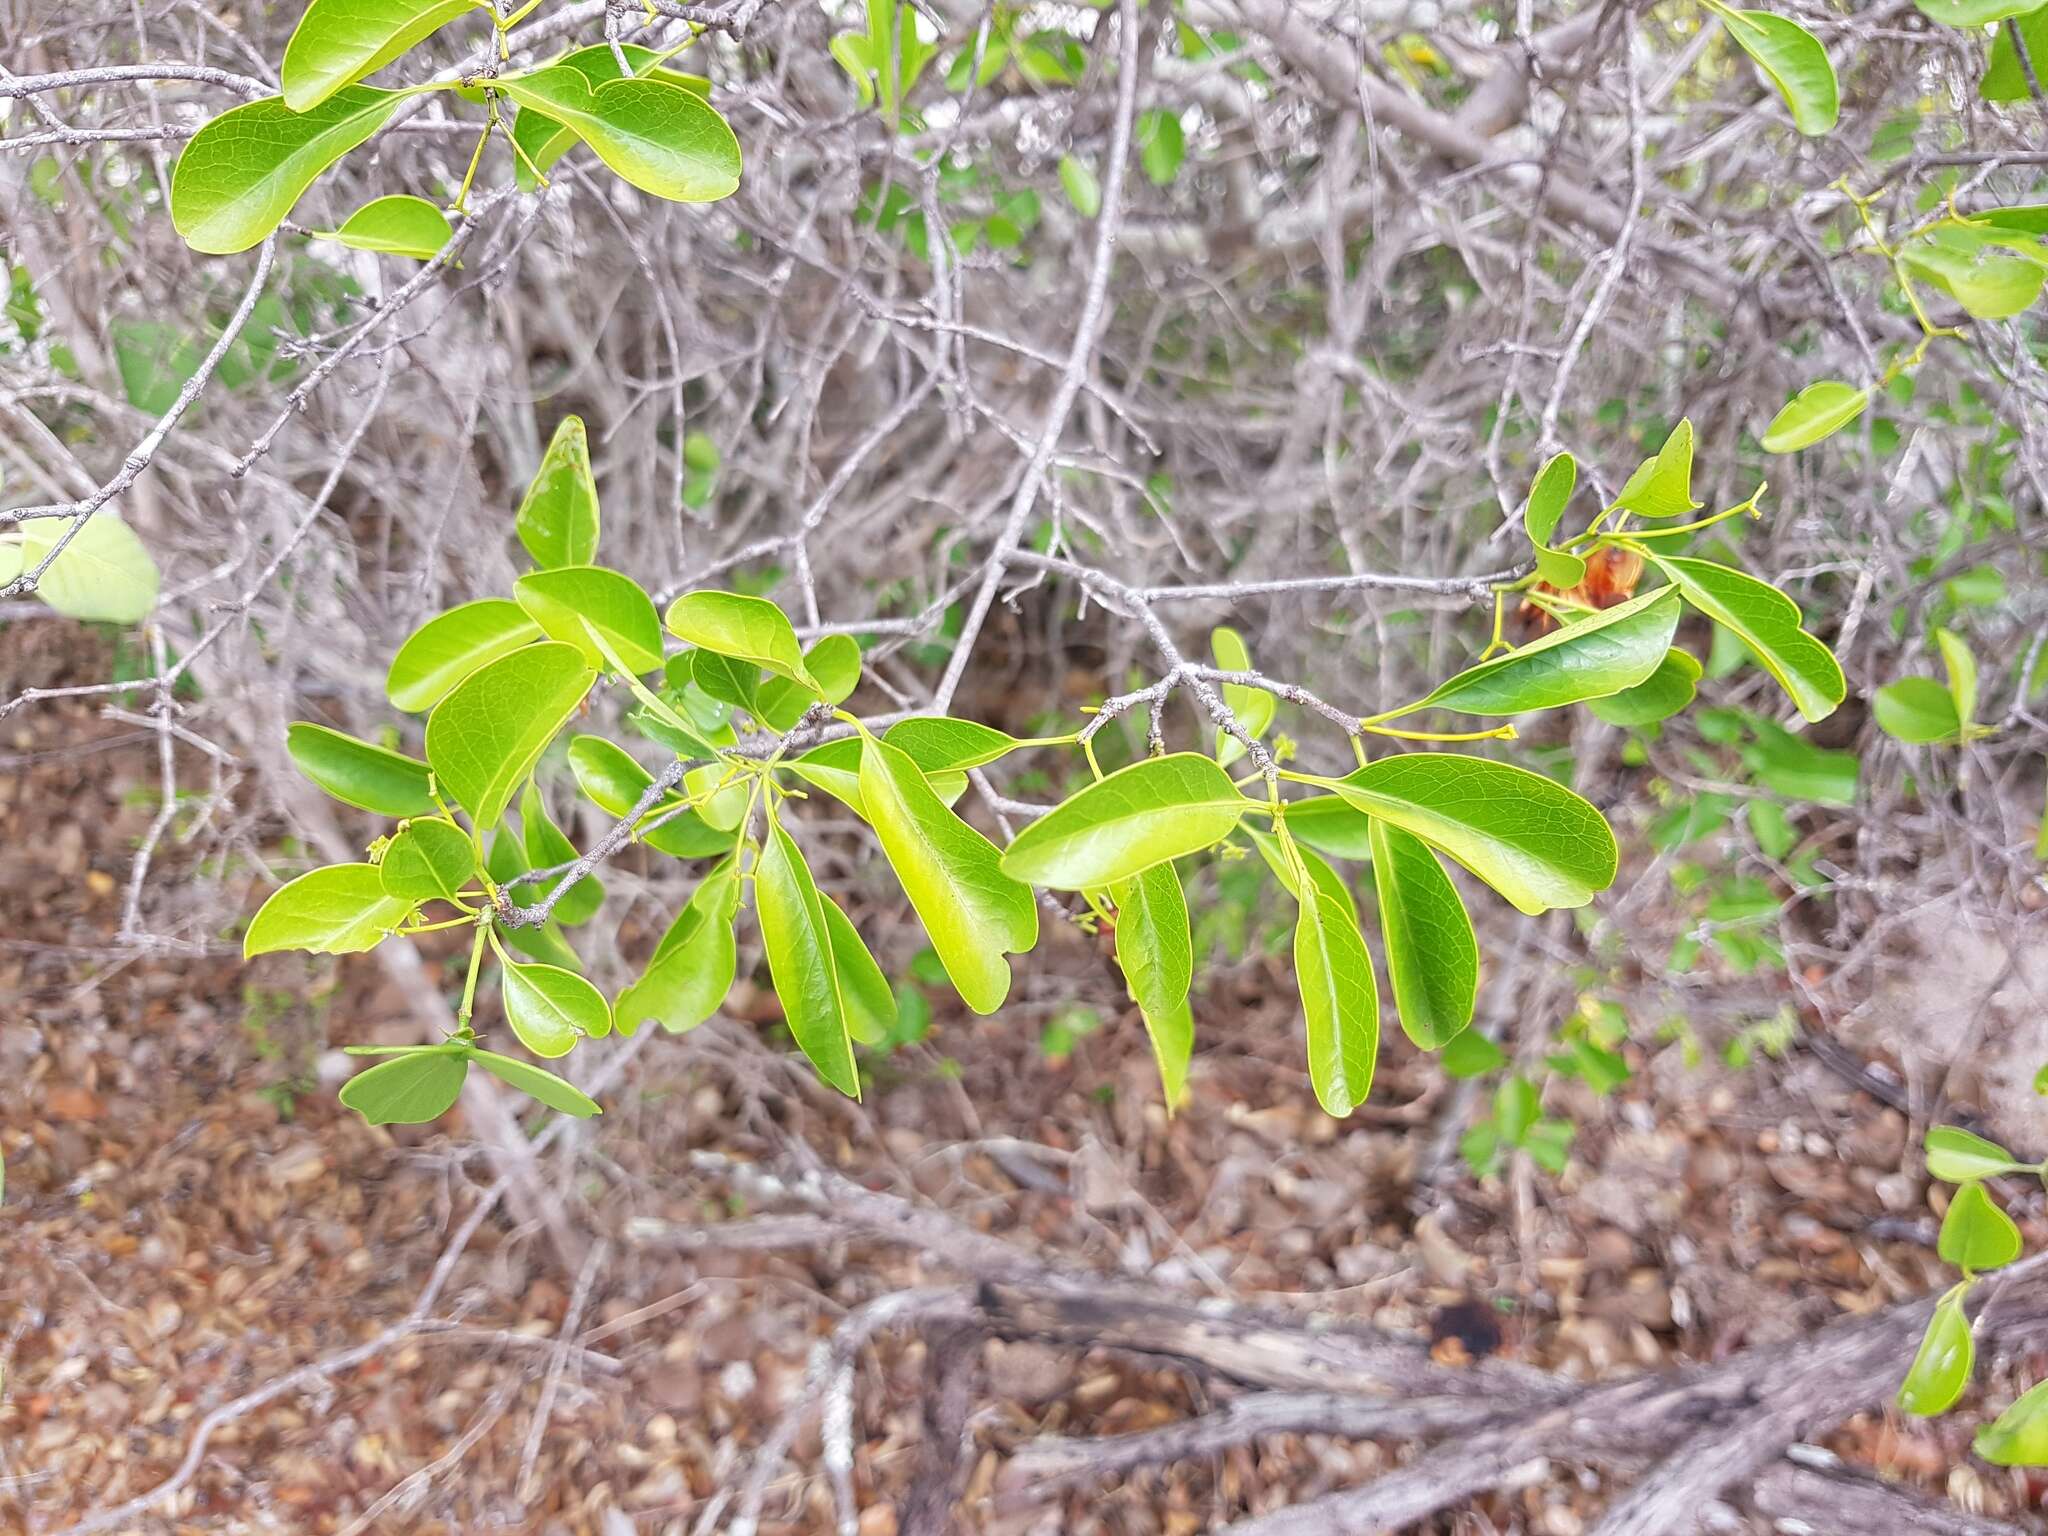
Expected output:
(692, 969)
(547, 847)
(737, 683)
(395, 226)
(550, 1007)
(355, 772)
(1081, 187)
(485, 737)
(450, 646)
(1339, 999)
(1657, 697)
(1600, 655)
(1332, 825)
(542, 141)
(799, 950)
(412, 1089)
(338, 42)
(749, 629)
(2005, 77)
(1975, 1234)
(1471, 1054)
(538, 1083)
(1941, 1368)
(1662, 483)
(429, 860)
(1961, 665)
(1162, 146)
(1992, 274)
(339, 910)
(1974, 13)
(1917, 710)
(612, 781)
(564, 599)
(243, 171)
(1432, 954)
(1548, 496)
(942, 746)
(2018, 1437)
(1253, 707)
(863, 989)
(1818, 411)
(557, 521)
(104, 574)
(1794, 60)
(1528, 837)
(1146, 814)
(972, 909)
(885, 61)
(1516, 1106)
(834, 661)
(2026, 218)
(1955, 1156)
(1768, 623)
(1156, 955)
(664, 139)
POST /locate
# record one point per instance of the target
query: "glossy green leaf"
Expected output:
(664, 139)
(1528, 837)
(1941, 1369)
(2018, 1437)
(557, 520)
(2026, 218)
(339, 910)
(1956, 1156)
(834, 662)
(799, 950)
(1253, 707)
(1975, 1234)
(1146, 814)
(242, 172)
(103, 575)
(429, 860)
(1993, 274)
(835, 766)
(939, 746)
(548, 847)
(1339, 1000)
(562, 600)
(338, 42)
(550, 1008)
(973, 911)
(1818, 411)
(542, 141)
(1961, 666)
(1974, 13)
(505, 864)
(538, 1083)
(1156, 954)
(1662, 483)
(1549, 494)
(692, 969)
(1794, 60)
(357, 773)
(484, 738)
(2005, 76)
(450, 646)
(1596, 656)
(1332, 825)
(1917, 711)
(1657, 697)
(398, 225)
(412, 1089)
(1768, 623)
(737, 683)
(863, 990)
(1432, 954)
(613, 781)
(749, 629)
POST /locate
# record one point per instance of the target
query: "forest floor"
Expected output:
(190, 1218)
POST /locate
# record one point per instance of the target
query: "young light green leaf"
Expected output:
(548, 847)
(243, 171)
(450, 646)
(1657, 697)
(1548, 496)
(1146, 814)
(1975, 1234)
(557, 520)
(1253, 707)
(398, 225)
(1993, 274)
(692, 968)
(799, 950)
(564, 599)
(1794, 60)
(1599, 655)
(1662, 483)
(1956, 1156)
(484, 738)
(357, 773)
(1156, 955)
(538, 1083)
(412, 1089)
(338, 42)
(1917, 711)
(429, 860)
(2018, 1437)
(863, 989)
(550, 1008)
(1961, 665)
(1768, 623)
(104, 574)
(1528, 837)
(1974, 13)
(1339, 999)
(834, 661)
(540, 141)
(749, 629)
(1432, 954)
(1082, 189)
(653, 133)
(949, 746)
(972, 909)
(1818, 411)
(1941, 1368)
(2005, 75)
(1471, 1054)
(339, 910)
